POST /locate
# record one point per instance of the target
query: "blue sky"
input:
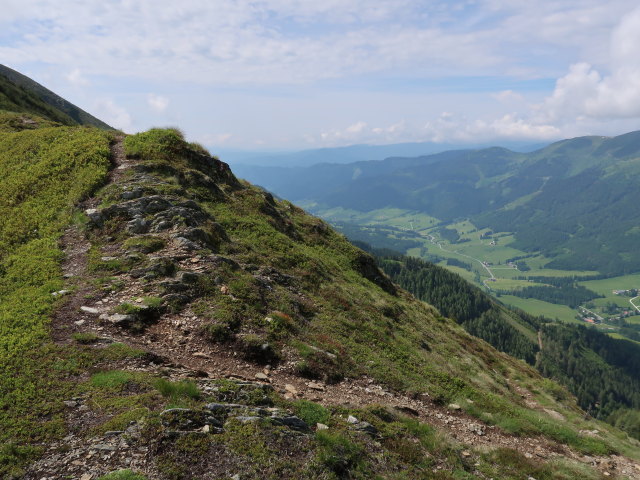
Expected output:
(293, 74)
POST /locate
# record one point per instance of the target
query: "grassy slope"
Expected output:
(44, 173)
(19, 93)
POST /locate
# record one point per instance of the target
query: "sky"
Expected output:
(297, 74)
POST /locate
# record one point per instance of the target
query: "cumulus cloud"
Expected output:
(158, 103)
(585, 92)
(361, 132)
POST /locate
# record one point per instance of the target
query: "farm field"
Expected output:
(485, 259)
(538, 307)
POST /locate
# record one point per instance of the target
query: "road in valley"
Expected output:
(633, 304)
(492, 278)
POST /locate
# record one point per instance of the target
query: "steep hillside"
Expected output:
(569, 354)
(206, 330)
(20, 94)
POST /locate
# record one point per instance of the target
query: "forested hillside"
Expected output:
(603, 373)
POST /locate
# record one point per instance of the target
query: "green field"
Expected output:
(538, 307)
(606, 286)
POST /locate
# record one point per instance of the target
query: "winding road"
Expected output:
(434, 241)
(633, 304)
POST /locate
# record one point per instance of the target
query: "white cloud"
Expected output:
(585, 92)
(113, 114)
(360, 132)
(296, 41)
(75, 77)
(508, 96)
(214, 139)
(157, 103)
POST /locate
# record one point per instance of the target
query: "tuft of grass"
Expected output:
(128, 309)
(177, 390)
(85, 338)
(44, 173)
(114, 379)
(123, 475)
(146, 244)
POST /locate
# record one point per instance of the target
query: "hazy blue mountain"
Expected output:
(355, 153)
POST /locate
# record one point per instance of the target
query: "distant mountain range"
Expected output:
(574, 200)
(354, 153)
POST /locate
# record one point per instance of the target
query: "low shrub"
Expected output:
(311, 412)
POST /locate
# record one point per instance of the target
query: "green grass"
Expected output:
(311, 412)
(123, 475)
(539, 307)
(44, 173)
(114, 379)
(177, 390)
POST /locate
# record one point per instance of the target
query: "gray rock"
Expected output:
(188, 277)
(162, 267)
(186, 244)
(219, 260)
(176, 298)
(292, 422)
(185, 419)
(161, 226)
(476, 428)
(197, 235)
(104, 447)
(138, 226)
(132, 194)
(91, 310)
(365, 427)
(245, 419)
(173, 286)
(121, 320)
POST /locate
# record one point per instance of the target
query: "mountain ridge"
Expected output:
(59, 109)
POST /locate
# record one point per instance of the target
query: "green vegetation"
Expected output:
(354, 320)
(123, 475)
(339, 454)
(44, 173)
(177, 390)
(115, 379)
(21, 94)
(311, 412)
(569, 354)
